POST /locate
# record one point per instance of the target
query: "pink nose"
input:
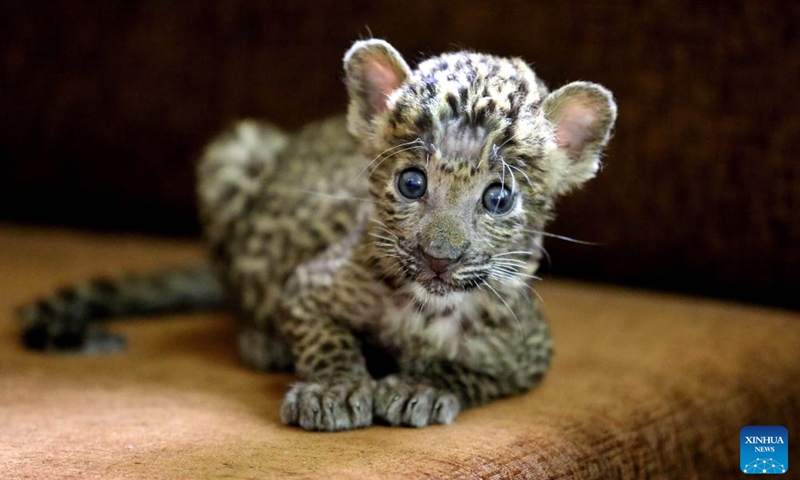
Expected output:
(438, 265)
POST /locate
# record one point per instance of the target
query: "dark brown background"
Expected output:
(105, 105)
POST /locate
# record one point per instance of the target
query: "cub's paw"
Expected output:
(401, 401)
(329, 406)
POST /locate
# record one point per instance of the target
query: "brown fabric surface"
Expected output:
(105, 106)
(643, 386)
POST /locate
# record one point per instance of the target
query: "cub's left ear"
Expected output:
(582, 115)
(374, 69)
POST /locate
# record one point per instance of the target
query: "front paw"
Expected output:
(402, 401)
(329, 406)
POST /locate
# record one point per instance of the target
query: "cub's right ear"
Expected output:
(374, 69)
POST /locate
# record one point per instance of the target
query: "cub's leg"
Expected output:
(232, 174)
(323, 298)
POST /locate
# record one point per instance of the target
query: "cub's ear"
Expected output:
(373, 69)
(582, 115)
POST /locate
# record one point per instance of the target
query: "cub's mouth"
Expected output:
(438, 286)
(436, 274)
(450, 281)
(437, 277)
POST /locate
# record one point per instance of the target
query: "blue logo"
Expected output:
(764, 450)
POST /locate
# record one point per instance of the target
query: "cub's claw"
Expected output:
(329, 406)
(401, 401)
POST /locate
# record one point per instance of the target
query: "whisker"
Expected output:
(520, 269)
(386, 230)
(389, 239)
(418, 140)
(524, 284)
(523, 173)
(513, 178)
(378, 222)
(510, 261)
(561, 237)
(545, 252)
(517, 273)
(512, 137)
(392, 155)
(535, 293)
(502, 179)
(504, 303)
(394, 271)
(516, 252)
(503, 278)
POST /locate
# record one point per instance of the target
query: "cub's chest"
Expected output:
(436, 327)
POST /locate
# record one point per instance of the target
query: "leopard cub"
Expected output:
(412, 227)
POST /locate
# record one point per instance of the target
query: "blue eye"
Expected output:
(412, 183)
(497, 199)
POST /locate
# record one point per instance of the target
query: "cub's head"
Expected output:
(470, 152)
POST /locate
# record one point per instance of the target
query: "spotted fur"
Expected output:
(327, 260)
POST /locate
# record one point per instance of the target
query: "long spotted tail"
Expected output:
(71, 319)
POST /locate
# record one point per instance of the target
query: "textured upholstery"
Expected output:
(106, 105)
(643, 386)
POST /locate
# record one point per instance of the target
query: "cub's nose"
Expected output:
(439, 265)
